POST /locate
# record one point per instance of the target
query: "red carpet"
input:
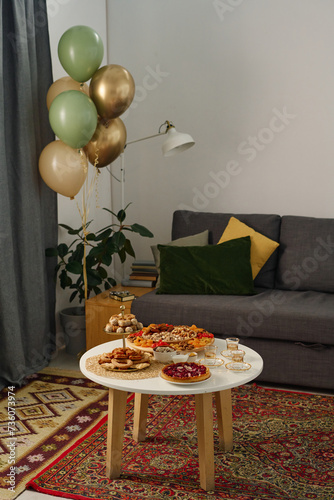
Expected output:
(283, 449)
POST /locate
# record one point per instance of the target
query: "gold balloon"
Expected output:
(62, 168)
(63, 84)
(107, 142)
(112, 90)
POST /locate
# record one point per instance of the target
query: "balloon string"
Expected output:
(87, 190)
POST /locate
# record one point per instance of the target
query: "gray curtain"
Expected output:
(28, 208)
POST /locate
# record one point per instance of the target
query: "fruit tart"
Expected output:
(184, 373)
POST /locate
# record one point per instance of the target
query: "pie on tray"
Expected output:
(185, 373)
(127, 359)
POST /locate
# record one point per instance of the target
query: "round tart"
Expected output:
(185, 373)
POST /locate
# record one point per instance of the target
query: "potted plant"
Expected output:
(83, 266)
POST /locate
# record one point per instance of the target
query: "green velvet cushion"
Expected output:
(199, 239)
(223, 269)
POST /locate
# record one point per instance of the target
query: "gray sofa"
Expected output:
(290, 320)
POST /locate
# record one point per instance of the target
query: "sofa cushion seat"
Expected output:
(271, 314)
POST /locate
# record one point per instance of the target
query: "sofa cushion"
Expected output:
(199, 239)
(306, 254)
(270, 314)
(211, 269)
(186, 222)
(261, 247)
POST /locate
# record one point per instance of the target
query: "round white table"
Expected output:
(220, 384)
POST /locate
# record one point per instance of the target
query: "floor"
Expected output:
(70, 362)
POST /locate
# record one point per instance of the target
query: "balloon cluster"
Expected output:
(85, 118)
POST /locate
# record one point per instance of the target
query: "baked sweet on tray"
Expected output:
(123, 323)
(185, 373)
(121, 359)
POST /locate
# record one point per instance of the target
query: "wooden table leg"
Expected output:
(204, 418)
(140, 417)
(224, 419)
(116, 424)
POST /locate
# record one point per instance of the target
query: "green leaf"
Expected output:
(70, 230)
(64, 279)
(74, 294)
(122, 254)
(118, 240)
(96, 290)
(95, 252)
(121, 215)
(106, 259)
(128, 248)
(143, 231)
(78, 253)
(74, 267)
(102, 272)
(93, 278)
(105, 234)
(110, 211)
(62, 250)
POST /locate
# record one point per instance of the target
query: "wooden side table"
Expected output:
(100, 308)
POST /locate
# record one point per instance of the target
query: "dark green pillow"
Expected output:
(223, 269)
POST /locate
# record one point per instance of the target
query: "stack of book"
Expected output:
(144, 273)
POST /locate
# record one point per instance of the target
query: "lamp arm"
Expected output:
(143, 139)
(168, 126)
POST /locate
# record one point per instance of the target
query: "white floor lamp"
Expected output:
(175, 142)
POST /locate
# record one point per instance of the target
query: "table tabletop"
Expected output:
(221, 378)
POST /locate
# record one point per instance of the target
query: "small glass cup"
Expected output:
(238, 356)
(210, 352)
(232, 343)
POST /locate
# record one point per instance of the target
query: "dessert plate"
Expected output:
(238, 367)
(226, 354)
(211, 363)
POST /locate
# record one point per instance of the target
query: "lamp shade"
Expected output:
(176, 142)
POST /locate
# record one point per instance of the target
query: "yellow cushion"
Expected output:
(261, 246)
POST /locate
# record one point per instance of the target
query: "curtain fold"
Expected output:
(28, 208)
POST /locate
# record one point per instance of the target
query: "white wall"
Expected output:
(251, 80)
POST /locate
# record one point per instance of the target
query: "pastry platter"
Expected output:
(125, 360)
(181, 338)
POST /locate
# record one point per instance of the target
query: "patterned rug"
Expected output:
(40, 420)
(283, 449)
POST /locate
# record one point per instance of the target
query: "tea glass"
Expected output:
(232, 344)
(238, 356)
(210, 352)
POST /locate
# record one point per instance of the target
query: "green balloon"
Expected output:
(73, 118)
(80, 51)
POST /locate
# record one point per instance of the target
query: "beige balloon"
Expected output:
(112, 89)
(63, 168)
(63, 84)
(107, 142)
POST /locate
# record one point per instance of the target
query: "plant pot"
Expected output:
(73, 322)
